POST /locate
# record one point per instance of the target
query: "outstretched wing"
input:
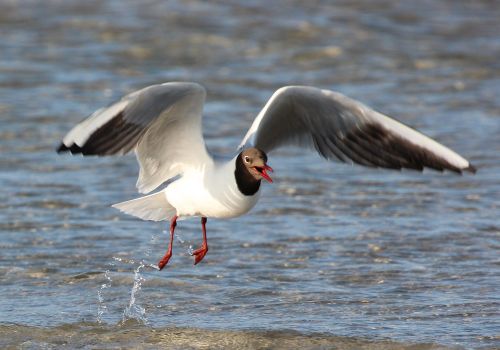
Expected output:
(341, 128)
(162, 123)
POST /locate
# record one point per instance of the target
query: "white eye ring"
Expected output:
(247, 159)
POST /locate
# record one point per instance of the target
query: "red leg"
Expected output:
(201, 252)
(168, 254)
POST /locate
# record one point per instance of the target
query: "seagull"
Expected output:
(162, 124)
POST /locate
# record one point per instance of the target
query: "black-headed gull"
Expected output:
(162, 124)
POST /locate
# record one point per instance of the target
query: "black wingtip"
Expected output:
(62, 148)
(471, 169)
(73, 149)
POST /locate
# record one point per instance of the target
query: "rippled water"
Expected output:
(333, 256)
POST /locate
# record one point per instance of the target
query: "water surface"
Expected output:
(333, 256)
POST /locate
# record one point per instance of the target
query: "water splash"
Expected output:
(134, 310)
(101, 306)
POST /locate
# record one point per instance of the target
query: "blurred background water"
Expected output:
(333, 256)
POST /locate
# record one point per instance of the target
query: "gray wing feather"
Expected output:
(162, 123)
(340, 128)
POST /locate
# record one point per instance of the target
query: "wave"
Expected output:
(133, 334)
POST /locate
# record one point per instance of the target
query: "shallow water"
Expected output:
(333, 256)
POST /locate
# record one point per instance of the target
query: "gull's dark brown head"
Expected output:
(251, 167)
(255, 162)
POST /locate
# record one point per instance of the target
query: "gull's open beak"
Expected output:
(263, 172)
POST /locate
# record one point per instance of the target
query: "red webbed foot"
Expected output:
(199, 254)
(164, 261)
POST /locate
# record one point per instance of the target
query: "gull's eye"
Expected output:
(247, 159)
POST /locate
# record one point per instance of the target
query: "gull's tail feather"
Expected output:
(153, 207)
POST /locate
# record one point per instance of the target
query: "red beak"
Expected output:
(263, 172)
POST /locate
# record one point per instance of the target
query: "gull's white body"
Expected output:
(162, 124)
(209, 191)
